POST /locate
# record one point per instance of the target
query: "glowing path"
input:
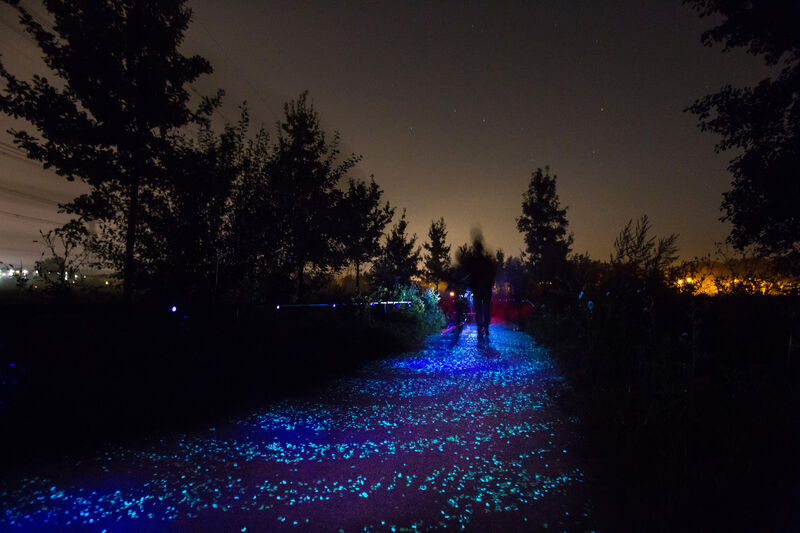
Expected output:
(458, 436)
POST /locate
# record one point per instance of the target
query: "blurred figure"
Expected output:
(480, 268)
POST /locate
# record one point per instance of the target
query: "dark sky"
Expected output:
(452, 104)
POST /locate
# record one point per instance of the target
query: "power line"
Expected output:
(216, 109)
(20, 250)
(238, 71)
(29, 196)
(20, 159)
(26, 217)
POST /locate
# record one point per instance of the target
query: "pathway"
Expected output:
(460, 435)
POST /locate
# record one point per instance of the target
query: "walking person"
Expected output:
(481, 269)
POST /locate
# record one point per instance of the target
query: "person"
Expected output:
(481, 269)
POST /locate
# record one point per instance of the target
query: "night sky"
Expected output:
(453, 104)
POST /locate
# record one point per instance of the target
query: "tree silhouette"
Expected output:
(761, 123)
(363, 220)
(303, 175)
(544, 226)
(194, 232)
(437, 260)
(110, 118)
(63, 257)
(638, 250)
(398, 261)
(253, 236)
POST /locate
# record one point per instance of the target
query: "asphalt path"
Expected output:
(462, 434)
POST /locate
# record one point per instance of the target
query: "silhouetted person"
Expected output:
(481, 269)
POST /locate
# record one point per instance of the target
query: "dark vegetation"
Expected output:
(200, 234)
(690, 400)
(79, 385)
(686, 377)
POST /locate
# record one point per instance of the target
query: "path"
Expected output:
(458, 435)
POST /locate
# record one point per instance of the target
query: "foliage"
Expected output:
(191, 236)
(635, 248)
(303, 175)
(423, 314)
(685, 398)
(363, 220)
(63, 257)
(544, 227)
(760, 124)
(110, 118)
(437, 259)
(251, 228)
(398, 261)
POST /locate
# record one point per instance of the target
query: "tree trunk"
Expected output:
(129, 270)
(358, 271)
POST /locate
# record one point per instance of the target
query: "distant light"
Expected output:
(24, 272)
(173, 309)
(334, 305)
(452, 293)
(106, 282)
(12, 365)
(277, 307)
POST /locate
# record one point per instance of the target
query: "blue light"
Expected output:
(334, 306)
(277, 307)
(173, 309)
(12, 365)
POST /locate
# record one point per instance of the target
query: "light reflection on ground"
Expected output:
(458, 435)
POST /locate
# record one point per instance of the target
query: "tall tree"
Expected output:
(199, 207)
(363, 220)
(109, 119)
(303, 175)
(544, 226)
(437, 259)
(398, 261)
(761, 123)
(252, 233)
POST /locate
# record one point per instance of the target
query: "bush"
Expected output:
(689, 400)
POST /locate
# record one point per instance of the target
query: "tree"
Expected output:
(251, 230)
(398, 261)
(437, 260)
(108, 121)
(194, 233)
(63, 257)
(638, 250)
(544, 226)
(303, 175)
(761, 123)
(363, 220)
